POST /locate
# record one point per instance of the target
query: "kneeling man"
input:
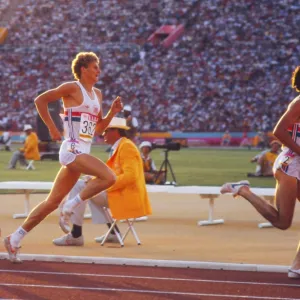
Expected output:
(127, 198)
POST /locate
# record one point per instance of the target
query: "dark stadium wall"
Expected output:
(41, 129)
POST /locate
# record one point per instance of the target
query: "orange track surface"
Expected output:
(37, 281)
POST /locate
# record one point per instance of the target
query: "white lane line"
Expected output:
(144, 291)
(151, 278)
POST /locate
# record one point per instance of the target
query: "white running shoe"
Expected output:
(234, 187)
(112, 238)
(68, 240)
(65, 215)
(293, 273)
(13, 253)
(64, 220)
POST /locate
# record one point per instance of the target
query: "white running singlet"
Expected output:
(79, 127)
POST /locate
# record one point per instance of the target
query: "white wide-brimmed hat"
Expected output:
(145, 144)
(118, 123)
(275, 142)
(127, 107)
(27, 127)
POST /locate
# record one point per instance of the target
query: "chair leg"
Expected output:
(109, 231)
(30, 165)
(126, 232)
(120, 237)
(131, 228)
(113, 225)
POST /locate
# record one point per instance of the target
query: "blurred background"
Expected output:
(230, 64)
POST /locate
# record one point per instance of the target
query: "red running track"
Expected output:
(47, 280)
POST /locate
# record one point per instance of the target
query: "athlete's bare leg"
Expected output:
(296, 263)
(286, 193)
(104, 177)
(90, 165)
(63, 183)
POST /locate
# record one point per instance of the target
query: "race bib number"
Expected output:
(284, 161)
(87, 127)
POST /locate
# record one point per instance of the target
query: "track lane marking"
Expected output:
(145, 291)
(151, 278)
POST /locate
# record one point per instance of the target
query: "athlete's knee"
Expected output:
(284, 224)
(112, 178)
(108, 176)
(109, 179)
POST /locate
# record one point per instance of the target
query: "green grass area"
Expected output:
(191, 166)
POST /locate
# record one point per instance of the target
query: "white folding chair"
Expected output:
(30, 165)
(120, 237)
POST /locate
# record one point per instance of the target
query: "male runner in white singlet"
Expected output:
(83, 117)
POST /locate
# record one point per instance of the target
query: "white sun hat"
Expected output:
(118, 123)
(27, 127)
(145, 144)
(127, 107)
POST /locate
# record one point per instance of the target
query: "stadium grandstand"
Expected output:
(230, 66)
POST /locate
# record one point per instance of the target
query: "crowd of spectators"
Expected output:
(230, 70)
(4, 4)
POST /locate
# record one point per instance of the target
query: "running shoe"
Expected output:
(293, 273)
(234, 187)
(68, 240)
(64, 220)
(13, 253)
(112, 238)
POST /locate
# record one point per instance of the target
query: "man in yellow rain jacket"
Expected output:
(127, 198)
(29, 151)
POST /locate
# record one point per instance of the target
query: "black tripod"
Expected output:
(165, 166)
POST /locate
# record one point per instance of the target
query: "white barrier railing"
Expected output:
(205, 192)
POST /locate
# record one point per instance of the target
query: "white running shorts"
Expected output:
(289, 164)
(69, 149)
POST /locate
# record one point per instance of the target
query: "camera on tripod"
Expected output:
(166, 165)
(168, 146)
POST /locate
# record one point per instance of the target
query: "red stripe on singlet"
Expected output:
(78, 113)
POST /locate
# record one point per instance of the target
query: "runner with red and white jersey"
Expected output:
(83, 118)
(286, 171)
(79, 126)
